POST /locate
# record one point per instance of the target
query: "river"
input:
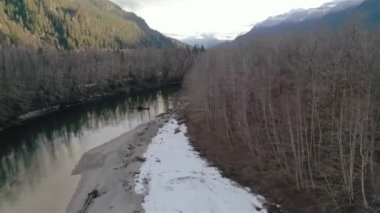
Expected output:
(36, 159)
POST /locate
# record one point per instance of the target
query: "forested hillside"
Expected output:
(296, 117)
(72, 24)
(295, 114)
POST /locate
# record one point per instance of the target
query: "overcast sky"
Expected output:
(222, 18)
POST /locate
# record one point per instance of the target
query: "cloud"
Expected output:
(205, 39)
(224, 19)
(131, 4)
(139, 4)
(200, 36)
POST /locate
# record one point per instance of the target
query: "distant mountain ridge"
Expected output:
(206, 41)
(299, 15)
(72, 24)
(331, 15)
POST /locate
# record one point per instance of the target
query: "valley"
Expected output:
(99, 112)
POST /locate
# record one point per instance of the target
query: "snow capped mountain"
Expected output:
(299, 15)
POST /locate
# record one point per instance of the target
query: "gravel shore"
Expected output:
(108, 172)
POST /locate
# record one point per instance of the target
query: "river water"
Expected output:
(36, 159)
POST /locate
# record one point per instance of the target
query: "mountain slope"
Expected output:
(72, 24)
(366, 13)
(299, 15)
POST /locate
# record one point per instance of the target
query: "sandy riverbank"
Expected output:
(111, 168)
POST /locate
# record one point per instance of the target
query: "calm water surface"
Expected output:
(36, 159)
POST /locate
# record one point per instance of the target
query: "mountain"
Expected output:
(207, 42)
(331, 15)
(368, 13)
(72, 24)
(299, 15)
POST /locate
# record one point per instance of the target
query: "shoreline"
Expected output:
(55, 108)
(154, 167)
(110, 170)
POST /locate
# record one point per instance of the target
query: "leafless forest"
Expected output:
(33, 78)
(300, 109)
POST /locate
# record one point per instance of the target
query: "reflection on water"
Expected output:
(36, 159)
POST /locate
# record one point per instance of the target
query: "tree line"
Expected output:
(35, 78)
(300, 108)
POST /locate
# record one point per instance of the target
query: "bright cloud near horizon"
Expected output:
(224, 19)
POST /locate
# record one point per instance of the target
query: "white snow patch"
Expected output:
(175, 179)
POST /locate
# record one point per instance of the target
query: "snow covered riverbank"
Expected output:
(155, 169)
(175, 179)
